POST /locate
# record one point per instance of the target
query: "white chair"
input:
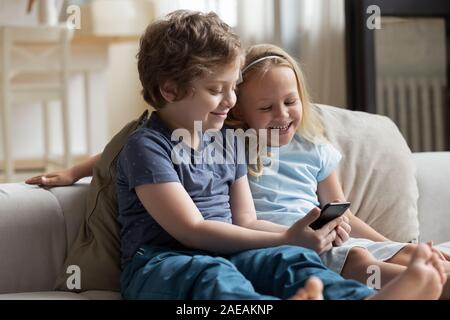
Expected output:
(42, 75)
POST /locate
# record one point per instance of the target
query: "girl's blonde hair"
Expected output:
(311, 127)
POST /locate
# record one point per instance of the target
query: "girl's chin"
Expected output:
(282, 140)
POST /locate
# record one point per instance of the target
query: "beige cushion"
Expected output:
(376, 172)
(71, 201)
(96, 249)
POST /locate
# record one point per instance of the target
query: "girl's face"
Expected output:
(271, 101)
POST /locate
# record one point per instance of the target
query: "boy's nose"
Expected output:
(229, 100)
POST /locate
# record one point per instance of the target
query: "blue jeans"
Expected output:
(259, 274)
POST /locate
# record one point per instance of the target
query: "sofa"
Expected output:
(38, 226)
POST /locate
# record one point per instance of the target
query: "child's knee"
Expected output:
(408, 249)
(360, 255)
(403, 256)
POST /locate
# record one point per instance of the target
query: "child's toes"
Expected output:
(436, 262)
(314, 288)
(422, 254)
(300, 295)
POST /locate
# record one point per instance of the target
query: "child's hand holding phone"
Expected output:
(330, 212)
(343, 232)
(321, 240)
(331, 227)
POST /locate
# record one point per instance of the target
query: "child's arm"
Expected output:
(171, 206)
(244, 215)
(243, 209)
(330, 190)
(67, 176)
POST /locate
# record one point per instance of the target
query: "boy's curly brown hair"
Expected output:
(182, 47)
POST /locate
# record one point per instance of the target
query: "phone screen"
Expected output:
(329, 212)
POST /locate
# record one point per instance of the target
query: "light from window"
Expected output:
(226, 9)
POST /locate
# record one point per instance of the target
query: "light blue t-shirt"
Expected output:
(287, 189)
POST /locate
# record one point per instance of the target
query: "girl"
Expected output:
(272, 97)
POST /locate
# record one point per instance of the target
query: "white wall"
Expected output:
(27, 125)
(124, 99)
(115, 99)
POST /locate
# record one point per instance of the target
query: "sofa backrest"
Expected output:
(433, 180)
(37, 225)
(376, 171)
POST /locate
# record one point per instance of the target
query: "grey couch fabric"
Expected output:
(37, 226)
(433, 180)
(32, 238)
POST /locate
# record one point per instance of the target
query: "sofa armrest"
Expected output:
(433, 180)
(32, 238)
(37, 226)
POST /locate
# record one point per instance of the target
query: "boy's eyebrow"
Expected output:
(220, 81)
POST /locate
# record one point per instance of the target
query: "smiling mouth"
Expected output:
(220, 114)
(282, 128)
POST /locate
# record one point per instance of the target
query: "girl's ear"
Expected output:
(169, 91)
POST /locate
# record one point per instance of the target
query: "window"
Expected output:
(226, 9)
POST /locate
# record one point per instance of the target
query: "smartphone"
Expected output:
(329, 212)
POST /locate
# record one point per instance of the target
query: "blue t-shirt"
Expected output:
(287, 189)
(147, 159)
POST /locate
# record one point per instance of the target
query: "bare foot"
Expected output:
(312, 290)
(422, 280)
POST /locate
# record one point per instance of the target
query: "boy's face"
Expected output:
(271, 101)
(210, 99)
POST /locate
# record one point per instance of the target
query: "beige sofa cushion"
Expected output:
(96, 249)
(376, 172)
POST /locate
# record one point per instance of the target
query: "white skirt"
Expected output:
(335, 258)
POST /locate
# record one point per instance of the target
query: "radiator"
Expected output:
(417, 106)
